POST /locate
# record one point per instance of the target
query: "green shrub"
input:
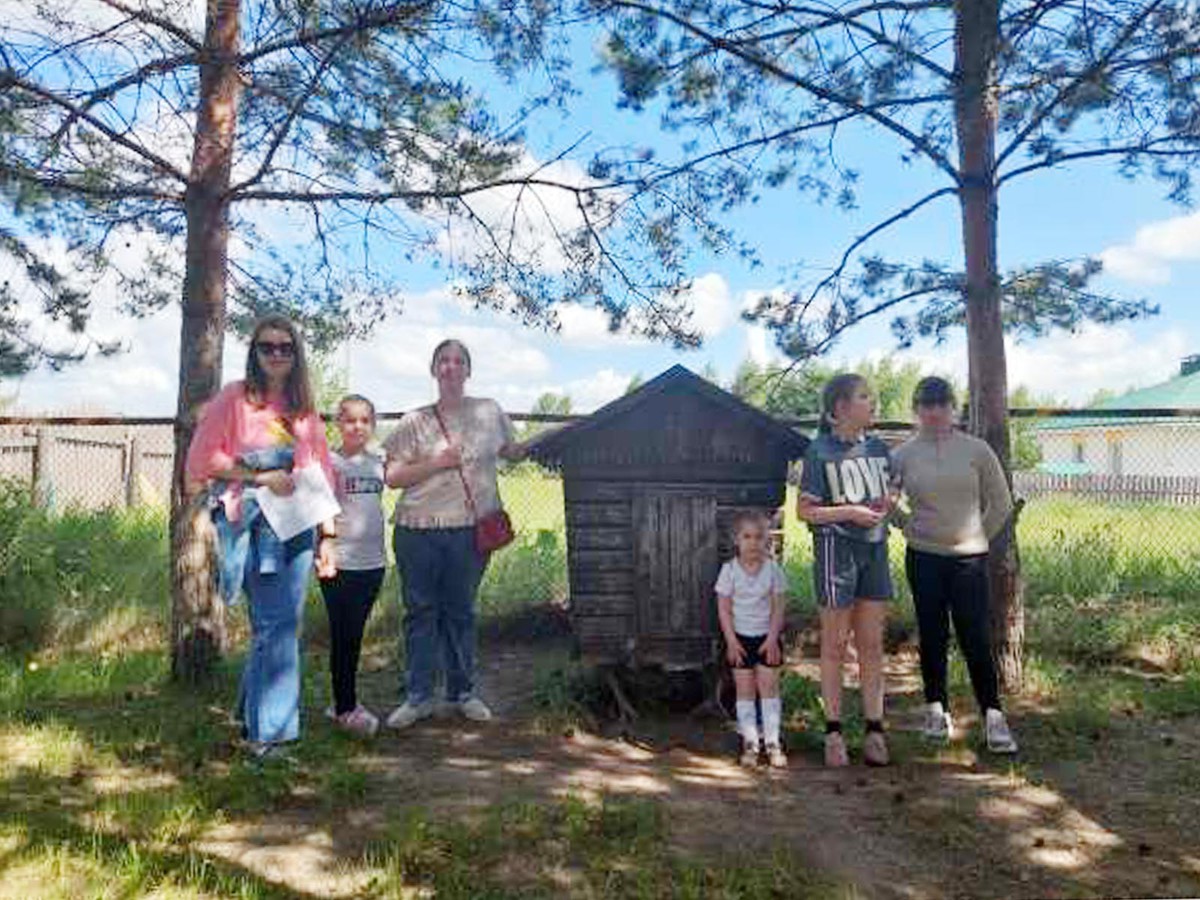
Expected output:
(531, 571)
(92, 578)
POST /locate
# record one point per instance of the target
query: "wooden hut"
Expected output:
(651, 483)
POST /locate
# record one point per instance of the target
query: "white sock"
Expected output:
(747, 719)
(772, 712)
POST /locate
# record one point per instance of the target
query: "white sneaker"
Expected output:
(360, 721)
(407, 714)
(938, 725)
(999, 737)
(475, 709)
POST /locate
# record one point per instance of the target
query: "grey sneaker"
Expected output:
(996, 731)
(938, 725)
(875, 749)
(407, 714)
(475, 709)
(835, 750)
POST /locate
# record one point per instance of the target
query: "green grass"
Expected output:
(1083, 548)
(110, 775)
(79, 578)
(609, 848)
(110, 778)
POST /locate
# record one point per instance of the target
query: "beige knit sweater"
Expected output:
(957, 496)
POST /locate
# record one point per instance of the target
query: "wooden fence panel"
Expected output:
(1182, 490)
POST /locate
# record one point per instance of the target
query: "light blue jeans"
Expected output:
(269, 696)
(440, 570)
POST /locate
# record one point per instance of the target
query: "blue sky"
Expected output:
(1151, 249)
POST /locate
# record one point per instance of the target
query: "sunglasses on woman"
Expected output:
(283, 349)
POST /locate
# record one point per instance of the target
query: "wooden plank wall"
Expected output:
(602, 563)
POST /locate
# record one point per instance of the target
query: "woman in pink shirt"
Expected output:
(250, 438)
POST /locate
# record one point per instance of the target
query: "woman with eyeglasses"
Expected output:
(251, 437)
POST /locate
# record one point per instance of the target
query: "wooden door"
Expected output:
(675, 565)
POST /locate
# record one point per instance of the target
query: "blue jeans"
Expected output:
(269, 696)
(440, 570)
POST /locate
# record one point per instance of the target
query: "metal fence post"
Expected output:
(133, 477)
(43, 468)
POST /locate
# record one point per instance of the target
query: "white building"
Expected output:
(1151, 431)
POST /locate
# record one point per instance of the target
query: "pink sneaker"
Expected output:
(358, 721)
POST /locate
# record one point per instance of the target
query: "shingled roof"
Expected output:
(548, 448)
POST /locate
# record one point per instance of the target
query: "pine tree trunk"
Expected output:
(976, 43)
(197, 616)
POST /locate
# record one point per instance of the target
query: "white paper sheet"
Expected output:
(311, 503)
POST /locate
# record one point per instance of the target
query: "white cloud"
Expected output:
(1148, 257)
(531, 222)
(587, 326)
(598, 389)
(393, 367)
(1074, 366)
(587, 394)
(708, 296)
(761, 347)
(141, 381)
(711, 303)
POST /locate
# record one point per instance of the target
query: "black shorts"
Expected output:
(846, 570)
(752, 657)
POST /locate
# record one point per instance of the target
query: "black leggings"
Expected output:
(953, 587)
(349, 596)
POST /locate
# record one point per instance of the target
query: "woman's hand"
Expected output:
(450, 458)
(515, 451)
(735, 652)
(326, 561)
(277, 481)
(770, 650)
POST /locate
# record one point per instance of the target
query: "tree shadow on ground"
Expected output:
(1099, 812)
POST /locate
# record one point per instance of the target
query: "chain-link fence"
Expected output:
(89, 463)
(1112, 500)
(1111, 497)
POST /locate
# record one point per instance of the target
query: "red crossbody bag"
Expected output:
(493, 530)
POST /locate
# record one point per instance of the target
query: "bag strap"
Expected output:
(461, 476)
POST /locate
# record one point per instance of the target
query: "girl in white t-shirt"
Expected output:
(750, 589)
(350, 589)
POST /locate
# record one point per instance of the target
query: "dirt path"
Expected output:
(935, 824)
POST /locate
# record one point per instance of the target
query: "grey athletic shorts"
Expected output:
(846, 570)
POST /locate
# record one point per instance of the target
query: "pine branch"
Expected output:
(869, 234)
(1050, 107)
(10, 80)
(149, 18)
(823, 93)
(1143, 148)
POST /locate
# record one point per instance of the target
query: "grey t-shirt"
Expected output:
(360, 531)
(838, 472)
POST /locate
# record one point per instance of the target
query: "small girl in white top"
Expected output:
(750, 589)
(350, 589)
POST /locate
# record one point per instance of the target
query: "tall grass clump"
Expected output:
(532, 571)
(1083, 548)
(79, 578)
